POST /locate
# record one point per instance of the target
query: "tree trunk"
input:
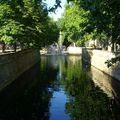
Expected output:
(114, 45)
(15, 46)
(3, 47)
(21, 46)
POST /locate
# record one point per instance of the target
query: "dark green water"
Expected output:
(61, 88)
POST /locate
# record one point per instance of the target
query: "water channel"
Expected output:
(61, 88)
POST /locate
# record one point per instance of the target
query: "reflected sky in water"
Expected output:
(61, 88)
(57, 109)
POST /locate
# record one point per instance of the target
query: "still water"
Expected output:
(61, 88)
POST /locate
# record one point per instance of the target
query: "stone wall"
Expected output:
(97, 58)
(14, 64)
(74, 50)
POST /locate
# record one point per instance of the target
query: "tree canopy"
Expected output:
(74, 23)
(26, 22)
(93, 18)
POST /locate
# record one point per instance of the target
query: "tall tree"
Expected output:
(25, 22)
(74, 23)
(105, 16)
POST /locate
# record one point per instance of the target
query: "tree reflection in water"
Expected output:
(86, 101)
(30, 97)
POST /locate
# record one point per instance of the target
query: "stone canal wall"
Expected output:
(74, 50)
(97, 58)
(14, 64)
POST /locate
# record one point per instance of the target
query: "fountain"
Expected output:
(57, 48)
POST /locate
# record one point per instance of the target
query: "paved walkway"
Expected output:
(8, 51)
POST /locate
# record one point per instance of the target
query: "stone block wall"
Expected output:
(14, 64)
(74, 50)
(97, 58)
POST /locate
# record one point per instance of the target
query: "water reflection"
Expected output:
(57, 108)
(105, 82)
(59, 98)
(26, 99)
(85, 100)
(60, 88)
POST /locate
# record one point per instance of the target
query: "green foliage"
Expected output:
(74, 22)
(103, 17)
(10, 30)
(102, 22)
(26, 22)
(5, 12)
(52, 32)
(113, 61)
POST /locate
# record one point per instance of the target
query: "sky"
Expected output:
(58, 12)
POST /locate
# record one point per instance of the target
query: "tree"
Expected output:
(26, 22)
(105, 15)
(9, 28)
(74, 23)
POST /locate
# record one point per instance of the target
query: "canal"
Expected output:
(61, 88)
